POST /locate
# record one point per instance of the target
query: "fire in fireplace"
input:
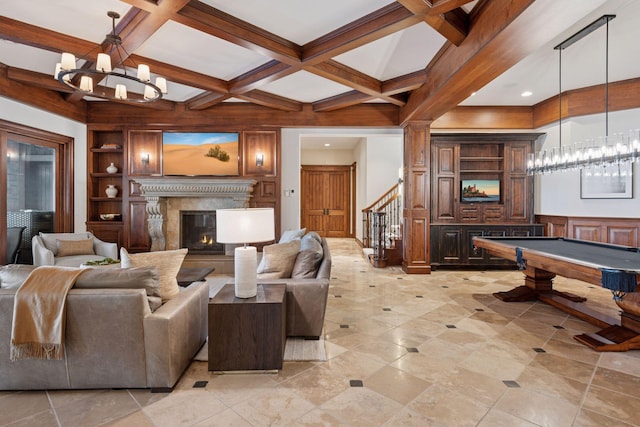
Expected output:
(198, 232)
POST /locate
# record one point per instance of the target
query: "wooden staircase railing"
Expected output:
(382, 229)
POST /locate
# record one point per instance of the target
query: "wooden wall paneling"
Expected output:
(259, 143)
(585, 230)
(620, 234)
(145, 152)
(555, 226)
(138, 239)
(417, 154)
(107, 233)
(618, 231)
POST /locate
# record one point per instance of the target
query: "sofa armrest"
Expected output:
(174, 333)
(41, 255)
(105, 249)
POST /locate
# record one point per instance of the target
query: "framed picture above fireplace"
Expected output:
(200, 153)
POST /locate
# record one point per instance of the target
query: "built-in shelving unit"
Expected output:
(458, 158)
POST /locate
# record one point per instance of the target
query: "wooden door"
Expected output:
(325, 194)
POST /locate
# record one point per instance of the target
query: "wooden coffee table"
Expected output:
(188, 275)
(247, 333)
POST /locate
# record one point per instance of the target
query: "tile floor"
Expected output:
(431, 350)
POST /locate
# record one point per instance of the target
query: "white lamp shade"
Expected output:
(121, 91)
(144, 73)
(244, 225)
(68, 61)
(103, 63)
(149, 92)
(161, 82)
(86, 84)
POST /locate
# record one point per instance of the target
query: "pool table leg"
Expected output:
(536, 282)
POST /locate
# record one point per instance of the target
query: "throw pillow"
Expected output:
(278, 259)
(75, 247)
(49, 240)
(12, 276)
(290, 235)
(309, 258)
(167, 262)
(146, 278)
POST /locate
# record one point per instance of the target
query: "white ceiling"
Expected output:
(301, 21)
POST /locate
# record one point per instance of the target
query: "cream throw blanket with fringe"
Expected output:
(39, 313)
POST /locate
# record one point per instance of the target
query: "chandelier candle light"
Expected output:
(81, 78)
(243, 226)
(599, 156)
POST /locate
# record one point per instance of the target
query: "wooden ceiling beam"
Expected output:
(405, 83)
(442, 6)
(378, 24)
(272, 101)
(502, 36)
(52, 41)
(44, 81)
(205, 100)
(260, 76)
(341, 101)
(44, 99)
(452, 25)
(214, 22)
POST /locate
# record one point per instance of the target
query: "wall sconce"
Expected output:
(145, 158)
(259, 159)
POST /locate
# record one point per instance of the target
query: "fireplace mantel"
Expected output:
(223, 193)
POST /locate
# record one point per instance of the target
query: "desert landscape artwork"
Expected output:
(202, 153)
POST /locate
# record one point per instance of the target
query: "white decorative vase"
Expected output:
(112, 168)
(111, 191)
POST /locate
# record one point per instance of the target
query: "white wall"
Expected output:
(559, 193)
(385, 162)
(16, 112)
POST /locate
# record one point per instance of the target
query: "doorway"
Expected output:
(326, 200)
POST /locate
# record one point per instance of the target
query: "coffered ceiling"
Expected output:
(422, 57)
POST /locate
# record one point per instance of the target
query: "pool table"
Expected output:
(542, 258)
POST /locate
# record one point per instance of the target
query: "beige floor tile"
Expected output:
(15, 406)
(409, 418)
(316, 418)
(97, 409)
(136, 419)
(537, 408)
(587, 418)
(497, 418)
(396, 384)
(317, 385)
(231, 389)
(486, 389)
(545, 382)
(495, 362)
(617, 381)
(614, 404)
(279, 407)
(46, 418)
(449, 407)
(428, 367)
(559, 365)
(628, 362)
(359, 406)
(353, 365)
(227, 418)
(574, 351)
(184, 408)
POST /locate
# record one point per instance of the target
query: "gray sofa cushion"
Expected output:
(13, 275)
(309, 257)
(147, 278)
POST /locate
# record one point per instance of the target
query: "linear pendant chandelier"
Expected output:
(603, 155)
(81, 79)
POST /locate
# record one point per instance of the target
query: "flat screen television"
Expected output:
(480, 190)
(200, 153)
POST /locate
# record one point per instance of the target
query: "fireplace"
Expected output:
(198, 233)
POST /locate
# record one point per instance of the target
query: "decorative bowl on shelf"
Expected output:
(109, 216)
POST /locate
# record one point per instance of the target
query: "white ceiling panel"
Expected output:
(397, 54)
(187, 48)
(299, 21)
(28, 58)
(305, 87)
(87, 20)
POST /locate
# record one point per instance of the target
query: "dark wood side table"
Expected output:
(247, 333)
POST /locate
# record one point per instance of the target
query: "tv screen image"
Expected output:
(200, 153)
(480, 190)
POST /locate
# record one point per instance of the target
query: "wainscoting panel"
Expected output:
(619, 231)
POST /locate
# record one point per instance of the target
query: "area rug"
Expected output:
(295, 350)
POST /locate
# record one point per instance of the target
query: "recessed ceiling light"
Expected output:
(473, 93)
(526, 93)
(326, 144)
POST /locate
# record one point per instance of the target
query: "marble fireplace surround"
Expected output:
(167, 196)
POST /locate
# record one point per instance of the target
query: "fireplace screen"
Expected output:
(198, 232)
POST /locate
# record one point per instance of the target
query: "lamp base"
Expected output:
(246, 271)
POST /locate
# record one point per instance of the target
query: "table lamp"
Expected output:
(245, 226)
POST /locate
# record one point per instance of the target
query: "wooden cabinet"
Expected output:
(452, 245)
(460, 161)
